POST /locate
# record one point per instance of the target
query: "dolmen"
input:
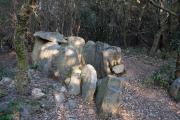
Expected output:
(92, 69)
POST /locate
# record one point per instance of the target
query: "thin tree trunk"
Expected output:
(177, 72)
(126, 18)
(159, 33)
(20, 31)
(138, 35)
(156, 42)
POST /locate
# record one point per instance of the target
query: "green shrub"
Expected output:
(9, 113)
(34, 66)
(6, 116)
(2, 93)
(158, 80)
(162, 77)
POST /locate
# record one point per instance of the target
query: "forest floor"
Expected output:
(143, 101)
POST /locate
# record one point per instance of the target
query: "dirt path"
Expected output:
(141, 102)
(146, 102)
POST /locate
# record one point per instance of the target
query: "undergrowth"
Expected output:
(10, 112)
(4, 72)
(34, 66)
(162, 77)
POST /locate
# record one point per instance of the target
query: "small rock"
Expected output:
(71, 117)
(175, 90)
(72, 104)
(12, 84)
(67, 81)
(63, 89)
(118, 69)
(91, 111)
(59, 98)
(37, 93)
(5, 80)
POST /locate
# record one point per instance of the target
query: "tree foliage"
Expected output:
(151, 23)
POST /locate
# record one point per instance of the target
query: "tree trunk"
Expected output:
(126, 10)
(156, 42)
(19, 39)
(138, 35)
(163, 27)
(177, 72)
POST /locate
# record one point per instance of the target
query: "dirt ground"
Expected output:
(142, 101)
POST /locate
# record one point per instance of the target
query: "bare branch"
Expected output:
(165, 9)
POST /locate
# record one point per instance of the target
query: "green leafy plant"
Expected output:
(9, 113)
(34, 66)
(158, 80)
(6, 116)
(2, 93)
(162, 77)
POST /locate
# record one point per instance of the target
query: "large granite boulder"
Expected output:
(63, 63)
(112, 55)
(103, 57)
(109, 94)
(111, 58)
(175, 90)
(78, 43)
(89, 80)
(92, 53)
(74, 82)
(98, 62)
(89, 52)
(43, 38)
(50, 36)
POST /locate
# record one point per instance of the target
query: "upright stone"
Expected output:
(78, 43)
(175, 90)
(109, 94)
(89, 52)
(65, 60)
(46, 56)
(89, 80)
(36, 50)
(74, 86)
(103, 57)
(98, 61)
(106, 58)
